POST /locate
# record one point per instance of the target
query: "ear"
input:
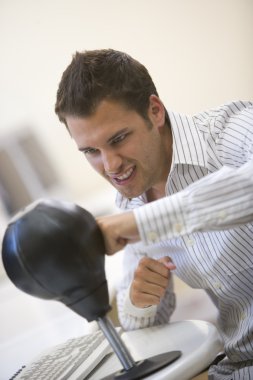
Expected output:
(156, 111)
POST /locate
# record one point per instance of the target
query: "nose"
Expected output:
(112, 161)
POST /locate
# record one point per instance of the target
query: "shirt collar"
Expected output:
(188, 141)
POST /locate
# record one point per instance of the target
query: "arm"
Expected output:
(221, 200)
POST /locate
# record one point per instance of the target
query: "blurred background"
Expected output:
(199, 53)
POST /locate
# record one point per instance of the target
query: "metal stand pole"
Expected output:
(116, 342)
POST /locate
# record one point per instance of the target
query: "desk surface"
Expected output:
(198, 341)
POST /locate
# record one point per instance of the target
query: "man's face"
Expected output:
(127, 150)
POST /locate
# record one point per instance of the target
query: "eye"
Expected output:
(88, 151)
(119, 138)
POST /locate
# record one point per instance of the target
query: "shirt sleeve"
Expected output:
(221, 200)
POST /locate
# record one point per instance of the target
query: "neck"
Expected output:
(156, 192)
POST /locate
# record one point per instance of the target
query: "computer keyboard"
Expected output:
(74, 359)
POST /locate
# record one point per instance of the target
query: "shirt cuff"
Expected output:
(161, 220)
(139, 312)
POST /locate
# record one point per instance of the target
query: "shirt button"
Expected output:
(190, 242)
(222, 215)
(152, 236)
(178, 227)
(217, 285)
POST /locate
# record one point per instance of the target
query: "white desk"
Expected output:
(199, 342)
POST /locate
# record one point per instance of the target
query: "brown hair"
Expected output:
(95, 75)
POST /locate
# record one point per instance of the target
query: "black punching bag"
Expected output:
(55, 250)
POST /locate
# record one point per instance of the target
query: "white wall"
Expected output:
(199, 53)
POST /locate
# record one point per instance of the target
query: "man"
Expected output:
(186, 186)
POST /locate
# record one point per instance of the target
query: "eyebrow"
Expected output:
(118, 133)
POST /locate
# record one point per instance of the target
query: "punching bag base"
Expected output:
(145, 367)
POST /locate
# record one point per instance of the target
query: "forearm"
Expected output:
(219, 201)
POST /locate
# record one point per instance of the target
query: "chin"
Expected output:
(129, 194)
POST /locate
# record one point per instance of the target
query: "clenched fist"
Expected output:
(151, 279)
(118, 230)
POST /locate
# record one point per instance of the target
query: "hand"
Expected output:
(151, 279)
(118, 230)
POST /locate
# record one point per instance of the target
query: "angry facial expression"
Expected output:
(125, 148)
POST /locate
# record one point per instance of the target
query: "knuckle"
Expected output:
(144, 261)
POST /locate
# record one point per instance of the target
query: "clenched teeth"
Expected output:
(125, 175)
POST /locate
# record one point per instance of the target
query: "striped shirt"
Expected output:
(205, 224)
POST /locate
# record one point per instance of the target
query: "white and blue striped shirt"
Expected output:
(205, 224)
